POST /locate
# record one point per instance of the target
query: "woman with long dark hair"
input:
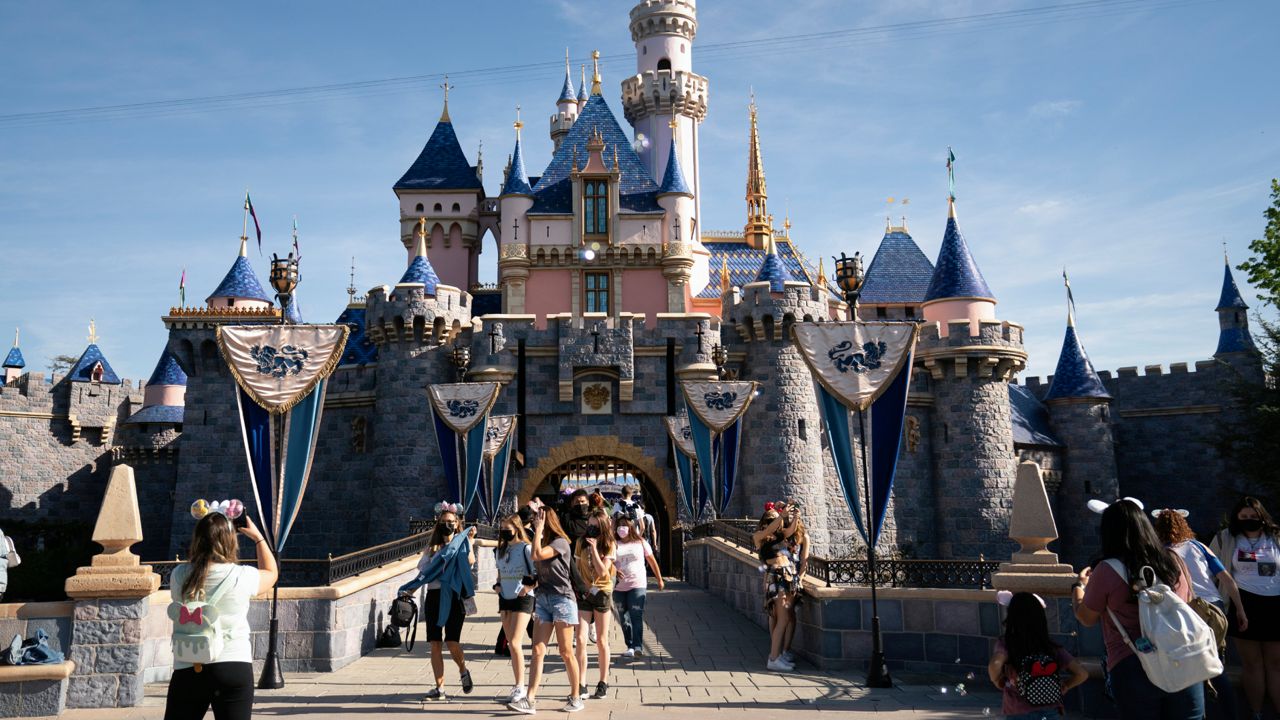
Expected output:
(771, 538)
(1104, 594)
(594, 559)
(516, 578)
(446, 529)
(1024, 645)
(212, 575)
(1251, 543)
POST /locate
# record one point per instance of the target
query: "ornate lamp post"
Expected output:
(284, 278)
(461, 357)
(849, 277)
(719, 356)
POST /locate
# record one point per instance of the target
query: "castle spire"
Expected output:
(444, 114)
(566, 92)
(759, 227)
(420, 270)
(595, 72)
(517, 182)
(822, 273)
(14, 359)
(772, 269)
(1233, 316)
(956, 276)
(582, 88)
(724, 275)
(1074, 376)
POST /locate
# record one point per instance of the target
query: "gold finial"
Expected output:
(583, 67)
(888, 224)
(759, 227)
(351, 288)
(724, 275)
(93, 332)
(615, 158)
(444, 114)
(595, 72)
(822, 273)
(517, 124)
(674, 124)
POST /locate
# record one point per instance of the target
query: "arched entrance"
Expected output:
(607, 463)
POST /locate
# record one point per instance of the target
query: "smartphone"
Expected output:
(240, 522)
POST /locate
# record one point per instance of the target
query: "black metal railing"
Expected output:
(890, 572)
(483, 531)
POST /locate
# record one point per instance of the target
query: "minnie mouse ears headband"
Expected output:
(444, 507)
(1004, 597)
(232, 509)
(1098, 506)
(1161, 511)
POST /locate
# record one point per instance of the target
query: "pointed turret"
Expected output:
(582, 89)
(566, 93)
(420, 270)
(758, 231)
(517, 182)
(92, 365)
(956, 275)
(673, 179)
(773, 270)
(240, 286)
(293, 312)
(165, 393)
(1233, 318)
(1074, 377)
(13, 362)
(441, 165)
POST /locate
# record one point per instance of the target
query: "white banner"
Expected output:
(855, 361)
(681, 435)
(463, 405)
(718, 404)
(277, 365)
(499, 429)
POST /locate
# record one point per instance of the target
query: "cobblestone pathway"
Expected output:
(704, 660)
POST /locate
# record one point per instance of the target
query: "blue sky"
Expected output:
(1124, 142)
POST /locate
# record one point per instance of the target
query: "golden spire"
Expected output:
(595, 72)
(724, 275)
(822, 273)
(759, 227)
(93, 332)
(517, 124)
(444, 114)
(422, 237)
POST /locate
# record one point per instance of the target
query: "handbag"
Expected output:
(404, 614)
(1212, 616)
(14, 558)
(389, 637)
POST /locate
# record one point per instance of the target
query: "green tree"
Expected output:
(60, 364)
(1264, 265)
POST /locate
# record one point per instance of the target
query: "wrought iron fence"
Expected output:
(890, 572)
(483, 531)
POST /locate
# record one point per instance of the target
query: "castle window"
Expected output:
(419, 208)
(457, 207)
(596, 292)
(595, 208)
(231, 302)
(438, 207)
(664, 64)
(911, 312)
(882, 312)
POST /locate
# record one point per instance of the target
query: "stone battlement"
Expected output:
(759, 314)
(990, 332)
(1132, 371)
(407, 314)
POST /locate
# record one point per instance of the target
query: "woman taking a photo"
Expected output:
(516, 578)
(554, 608)
(1252, 551)
(212, 576)
(771, 538)
(445, 565)
(1104, 595)
(595, 564)
(798, 546)
(629, 592)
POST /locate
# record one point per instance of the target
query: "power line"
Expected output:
(709, 54)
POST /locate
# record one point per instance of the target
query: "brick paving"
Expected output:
(703, 660)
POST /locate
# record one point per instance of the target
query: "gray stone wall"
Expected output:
(1089, 471)
(107, 642)
(914, 509)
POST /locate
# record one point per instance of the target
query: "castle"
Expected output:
(609, 293)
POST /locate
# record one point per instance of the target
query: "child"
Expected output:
(1026, 663)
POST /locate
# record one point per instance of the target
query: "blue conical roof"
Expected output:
(83, 370)
(360, 349)
(420, 271)
(774, 271)
(582, 89)
(293, 313)
(673, 178)
(1230, 298)
(899, 273)
(1075, 377)
(167, 371)
(566, 92)
(517, 180)
(240, 282)
(441, 165)
(14, 358)
(956, 275)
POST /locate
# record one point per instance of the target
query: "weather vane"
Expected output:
(93, 332)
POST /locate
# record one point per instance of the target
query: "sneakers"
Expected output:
(789, 656)
(639, 651)
(517, 693)
(778, 664)
(582, 692)
(629, 653)
(467, 685)
(591, 632)
(436, 695)
(522, 706)
(602, 691)
(574, 705)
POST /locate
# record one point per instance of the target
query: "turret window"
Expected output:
(664, 64)
(438, 207)
(457, 207)
(595, 208)
(419, 208)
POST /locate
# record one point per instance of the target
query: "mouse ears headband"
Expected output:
(1004, 597)
(1158, 512)
(1098, 506)
(232, 509)
(444, 507)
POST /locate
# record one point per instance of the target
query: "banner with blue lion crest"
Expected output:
(715, 409)
(461, 413)
(855, 361)
(278, 365)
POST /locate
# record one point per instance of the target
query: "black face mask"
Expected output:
(507, 535)
(450, 528)
(1251, 525)
(581, 510)
(593, 531)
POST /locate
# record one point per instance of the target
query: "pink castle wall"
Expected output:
(644, 291)
(547, 292)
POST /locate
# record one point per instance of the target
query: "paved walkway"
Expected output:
(704, 660)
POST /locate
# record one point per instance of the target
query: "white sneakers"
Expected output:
(574, 705)
(780, 664)
(629, 653)
(789, 656)
(517, 693)
(591, 632)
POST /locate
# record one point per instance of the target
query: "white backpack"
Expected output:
(197, 634)
(1177, 649)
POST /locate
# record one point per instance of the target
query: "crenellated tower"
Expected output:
(514, 202)
(567, 108)
(665, 87)
(1234, 339)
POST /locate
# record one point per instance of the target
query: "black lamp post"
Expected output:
(284, 278)
(849, 277)
(461, 357)
(719, 356)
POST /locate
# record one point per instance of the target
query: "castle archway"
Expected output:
(591, 460)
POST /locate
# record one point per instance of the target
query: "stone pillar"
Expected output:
(1034, 568)
(111, 601)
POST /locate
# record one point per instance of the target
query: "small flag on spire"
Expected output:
(182, 289)
(951, 172)
(248, 207)
(1071, 301)
(297, 251)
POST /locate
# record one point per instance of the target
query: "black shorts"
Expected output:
(596, 602)
(452, 630)
(523, 604)
(1263, 612)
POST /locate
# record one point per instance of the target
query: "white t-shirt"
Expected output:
(1202, 565)
(422, 565)
(233, 607)
(1254, 565)
(630, 563)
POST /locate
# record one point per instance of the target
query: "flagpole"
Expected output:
(878, 673)
(244, 234)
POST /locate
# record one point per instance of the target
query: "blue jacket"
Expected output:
(452, 567)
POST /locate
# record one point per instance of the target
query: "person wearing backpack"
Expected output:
(555, 609)
(1026, 663)
(1204, 568)
(1134, 558)
(212, 652)
(516, 580)
(1251, 544)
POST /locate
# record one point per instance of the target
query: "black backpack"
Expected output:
(389, 637)
(404, 614)
(1038, 680)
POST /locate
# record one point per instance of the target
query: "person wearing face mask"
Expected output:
(1249, 544)
(516, 580)
(445, 568)
(594, 562)
(629, 592)
(575, 526)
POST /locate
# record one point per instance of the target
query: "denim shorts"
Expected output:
(556, 608)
